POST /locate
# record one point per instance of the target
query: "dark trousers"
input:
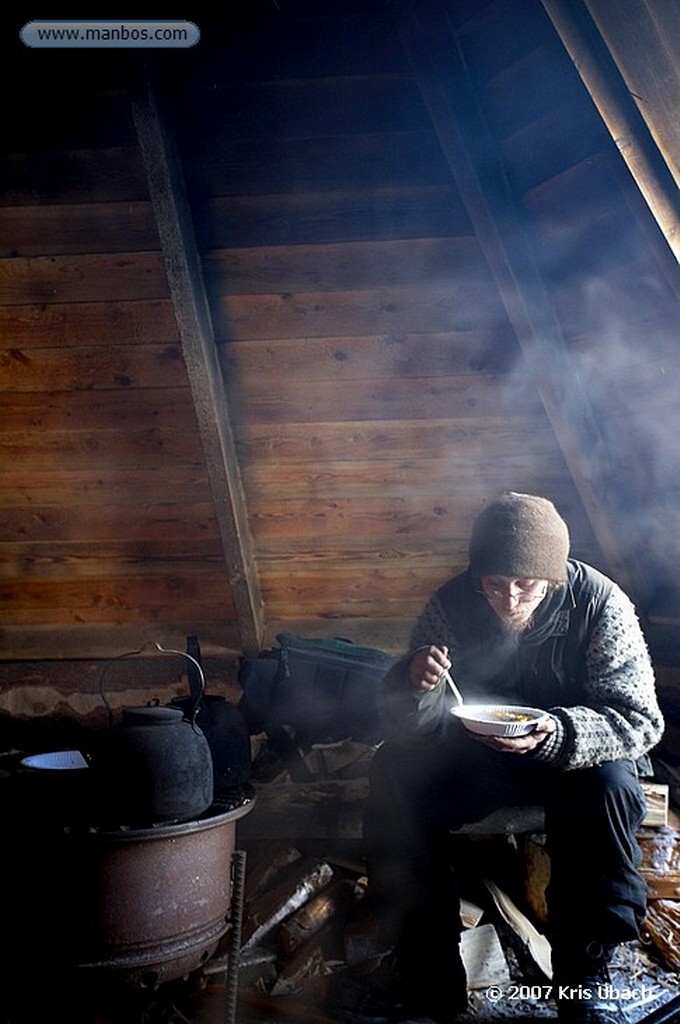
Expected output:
(418, 796)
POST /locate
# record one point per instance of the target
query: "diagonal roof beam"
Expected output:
(598, 67)
(187, 289)
(449, 96)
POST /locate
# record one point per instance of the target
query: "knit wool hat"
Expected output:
(522, 536)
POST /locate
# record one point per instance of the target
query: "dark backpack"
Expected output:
(319, 690)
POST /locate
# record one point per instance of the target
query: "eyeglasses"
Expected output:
(522, 591)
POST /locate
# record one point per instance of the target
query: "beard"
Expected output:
(516, 625)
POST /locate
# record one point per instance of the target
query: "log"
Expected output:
(660, 865)
(656, 799)
(662, 927)
(268, 911)
(306, 962)
(483, 957)
(313, 916)
(536, 943)
(536, 868)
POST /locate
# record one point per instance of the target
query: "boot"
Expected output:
(582, 986)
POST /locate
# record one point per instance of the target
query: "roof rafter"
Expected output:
(601, 71)
(185, 278)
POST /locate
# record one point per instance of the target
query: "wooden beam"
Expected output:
(608, 64)
(185, 278)
(449, 95)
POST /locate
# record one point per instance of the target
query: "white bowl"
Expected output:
(498, 719)
(59, 760)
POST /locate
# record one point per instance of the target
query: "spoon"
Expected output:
(452, 686)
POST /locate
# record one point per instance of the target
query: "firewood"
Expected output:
(536, 943)
(483, 957)
(536, 866)
(307, 961)
(470, 914)
(267, 911)
(660, 865)
(662, 927)
(311, 918)
(656, 802)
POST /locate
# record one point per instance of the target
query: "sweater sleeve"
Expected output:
(407, 715)
(621, 719)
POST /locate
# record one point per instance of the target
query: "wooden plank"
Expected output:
(376, 516)
(319, 598)
(79, 450)
(185, 279)
(147, 321)
(76, 228)
(345, 266)
(578, 195)
(431, 309)
(145, 668)
(330, 216)
(565, 136)
(497, 36)
(408, 354)
(82, 278)
(135, 276)
(230, 221)
(82, 411)
(304, 107)
(108, 485)
(110, 174)
(271, 166)
(358, 553)
(522, 92)
(109, 559)
(403, 438)
(38, 642)
(403, 477)
(96, 368)
(68, 601)
(422, 398)
(54, 524)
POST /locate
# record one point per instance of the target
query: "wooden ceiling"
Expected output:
(280, 313)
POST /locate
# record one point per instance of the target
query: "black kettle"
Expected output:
(154, 766)
(223, 725)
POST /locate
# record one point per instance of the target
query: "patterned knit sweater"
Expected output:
(583, 659)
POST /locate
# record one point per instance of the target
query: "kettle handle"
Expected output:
(194, 677)
(198, 670)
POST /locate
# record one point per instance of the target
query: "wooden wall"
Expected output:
(383, 379)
